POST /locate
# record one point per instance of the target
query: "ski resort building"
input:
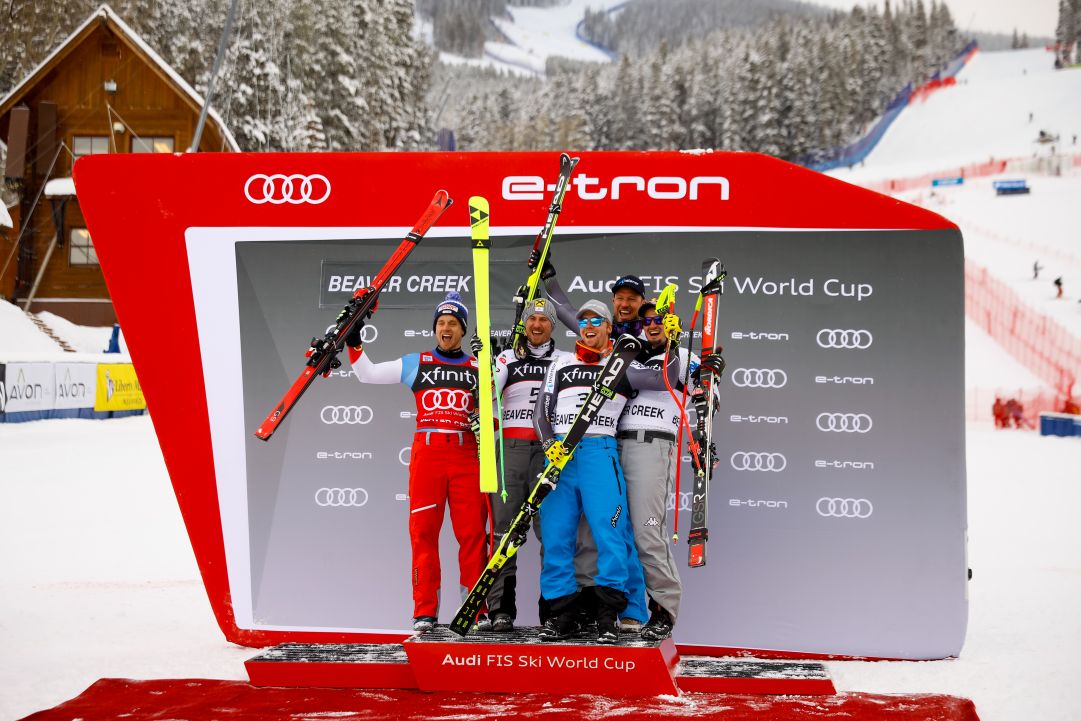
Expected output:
(103, 90)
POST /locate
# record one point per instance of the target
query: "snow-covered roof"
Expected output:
(5, 219)
(60, 188)
(104, 12)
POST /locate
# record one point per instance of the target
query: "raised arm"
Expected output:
(565, 311)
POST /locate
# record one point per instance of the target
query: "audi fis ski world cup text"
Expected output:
(508, 660)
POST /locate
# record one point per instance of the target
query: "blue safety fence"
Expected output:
(33, 391)
(856, 152)
(1060, 424)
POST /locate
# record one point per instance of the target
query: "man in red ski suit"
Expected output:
(443, 467)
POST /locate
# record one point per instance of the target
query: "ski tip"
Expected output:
(261, 435)
(442, 199)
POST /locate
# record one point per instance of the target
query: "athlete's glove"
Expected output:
(353, 338)
(671, 326)
(474, 423)
(476, 344)
(548, 271)
(555, 451)
(714, 362)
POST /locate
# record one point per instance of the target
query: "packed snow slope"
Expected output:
(533, 35)
(985, 115)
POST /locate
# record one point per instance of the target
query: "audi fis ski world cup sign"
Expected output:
(840, 419)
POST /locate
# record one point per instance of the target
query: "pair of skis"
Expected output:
(700, 440)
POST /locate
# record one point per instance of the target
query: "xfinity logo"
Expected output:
(578, 373)
(526, 369)
(532, 187)
(739, 503)
(343, 455)
(758, 335)
(440, 374)
(759, 419)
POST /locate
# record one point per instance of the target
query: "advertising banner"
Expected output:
(837, 511)
(28, 387)
(76, 385)
(117, 388)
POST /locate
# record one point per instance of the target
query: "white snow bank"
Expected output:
(19, 335)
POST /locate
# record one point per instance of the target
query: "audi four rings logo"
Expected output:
(342, 415)
(338, 497)
(759, 378)
(405, 456)
(860, 339)
(445, 399)
(744, 461)
(278, 189)
(844, 422)
(844, 507)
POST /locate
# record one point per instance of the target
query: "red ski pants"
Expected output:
(444, 470)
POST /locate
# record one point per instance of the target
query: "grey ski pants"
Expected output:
(650, 469)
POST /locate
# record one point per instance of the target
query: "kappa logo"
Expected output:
(651, 522)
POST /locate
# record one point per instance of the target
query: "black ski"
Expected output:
(625, 349)
(539, 253)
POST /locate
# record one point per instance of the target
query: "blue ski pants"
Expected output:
(592, 484)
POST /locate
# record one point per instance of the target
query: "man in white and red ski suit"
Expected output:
(443, 467)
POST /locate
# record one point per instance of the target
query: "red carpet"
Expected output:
(199, 700)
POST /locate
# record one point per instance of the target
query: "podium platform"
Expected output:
(519, 662)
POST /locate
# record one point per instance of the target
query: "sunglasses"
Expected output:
(595, 321)
(649, 320)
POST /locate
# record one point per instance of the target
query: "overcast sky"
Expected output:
(1035, 17)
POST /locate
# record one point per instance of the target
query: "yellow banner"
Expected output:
(118, 388)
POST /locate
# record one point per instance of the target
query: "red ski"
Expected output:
(323, 354)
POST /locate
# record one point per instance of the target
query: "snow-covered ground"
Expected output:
(985, 115)
(97, 578)
(533, 35)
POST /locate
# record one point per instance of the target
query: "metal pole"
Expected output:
(222, 43)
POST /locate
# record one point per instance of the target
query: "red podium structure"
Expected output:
(518, 662)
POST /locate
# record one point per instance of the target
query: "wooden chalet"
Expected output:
(103, 90)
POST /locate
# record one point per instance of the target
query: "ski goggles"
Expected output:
(651, 319)
(595, 321)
